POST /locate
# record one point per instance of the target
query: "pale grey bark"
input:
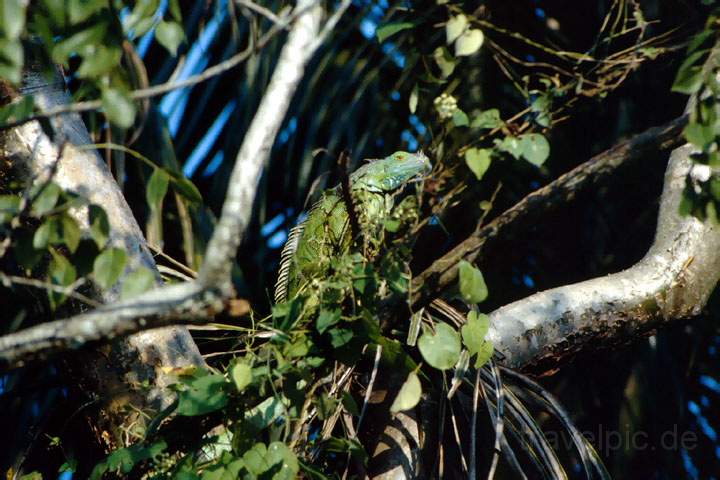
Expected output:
(672, 281)
(80, 169)
(255, 150)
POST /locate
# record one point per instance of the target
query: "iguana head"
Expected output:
(390, 172)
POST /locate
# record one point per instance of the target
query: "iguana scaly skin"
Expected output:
(326, 232)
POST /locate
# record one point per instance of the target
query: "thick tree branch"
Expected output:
(443, 271)
(673, 280)
(195, 301)
(171, 305)
(255, 149)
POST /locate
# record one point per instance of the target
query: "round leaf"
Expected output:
(409, 394)
(472, 283)
(535, 148)
(442, 349)
(469, 42)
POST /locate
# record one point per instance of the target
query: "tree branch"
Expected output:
(673, 280)
(443, 271)
(256, 146)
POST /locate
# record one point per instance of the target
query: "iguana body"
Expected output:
(326, 232)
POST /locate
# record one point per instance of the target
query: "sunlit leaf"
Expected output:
(478, 160)
(409, 394)
(241, 375)
(170, 35)
(455, 27)
(444, 61)
(473, 337)
(469, 42)
(535, 148)
(118, 107)
(412, 103)
(472, 283)
(441, 349)
(157, 188)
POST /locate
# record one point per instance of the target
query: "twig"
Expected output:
(68, 290)
(145, 93)
(371, 384)
(282, 22)
(443, 271)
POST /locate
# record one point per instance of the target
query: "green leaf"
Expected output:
(12, 18)
(412, 103)
(478, 160)
(280, 454)
(469, 42)
(108, 267)
(99, 60)
(535, 148)
(175, 12)
(93, 35)
(442, 349)
(390, 29)
(9, 207)
(510, 145)
(70, 233)
(444, 61)
(472, 283)
(327, 319)
(137, 282)
(11, 61)
(118, 107)
(186, 188)
(485, 353)
(460, 118)
(699, 135)
(170, 35)
(473, 336)
(203, 394)
(241, 375)
(340, 337)
(488, 119)
(99, 225)
(60, 272)
(262, 415)
(17, 110)
(81, 10)
(24, 252)
(46, 200)
(157, 188)
(455, 27)
(409, 394)
(689, 78)
(41, 238)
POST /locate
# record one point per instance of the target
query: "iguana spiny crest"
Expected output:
(325, 233)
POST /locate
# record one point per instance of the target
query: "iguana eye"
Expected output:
(400, 156)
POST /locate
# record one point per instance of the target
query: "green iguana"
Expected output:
(326, 232)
